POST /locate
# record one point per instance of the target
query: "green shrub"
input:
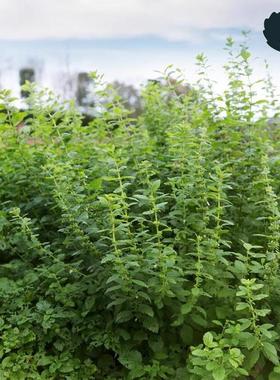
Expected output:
(142, 249)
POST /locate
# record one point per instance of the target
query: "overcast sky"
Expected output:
(126, 39)
(172, 19)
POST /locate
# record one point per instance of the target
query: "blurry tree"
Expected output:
(26, 74)
(83, 92)
(130, 96)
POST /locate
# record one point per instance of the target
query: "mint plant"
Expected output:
(142, 247)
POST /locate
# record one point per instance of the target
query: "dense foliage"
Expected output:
(142, 249)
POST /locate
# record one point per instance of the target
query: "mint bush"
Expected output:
(142, 248)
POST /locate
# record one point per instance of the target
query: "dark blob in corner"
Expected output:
(272, 30)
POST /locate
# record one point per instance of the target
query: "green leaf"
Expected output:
(219, 374)
(146, 309)
(130, 359)
(251, 359)
(95, 184)
(151, 324)
(245, 54)
(199, 352)
(44, 361)
(186, 308)
(245, 323)
(155, 184)
(242, 306)
(248, 339)
(208, 339)
(259, 297)
(124, 316)
(240, 267)
(140, 283)
(198, 319)
(118, 301)
(67, 367)
(196, 292)
(270, 352)
(263, 312)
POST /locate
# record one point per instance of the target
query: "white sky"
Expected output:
(200, 25)
(172, 19)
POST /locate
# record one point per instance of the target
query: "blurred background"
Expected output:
(55, 43)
